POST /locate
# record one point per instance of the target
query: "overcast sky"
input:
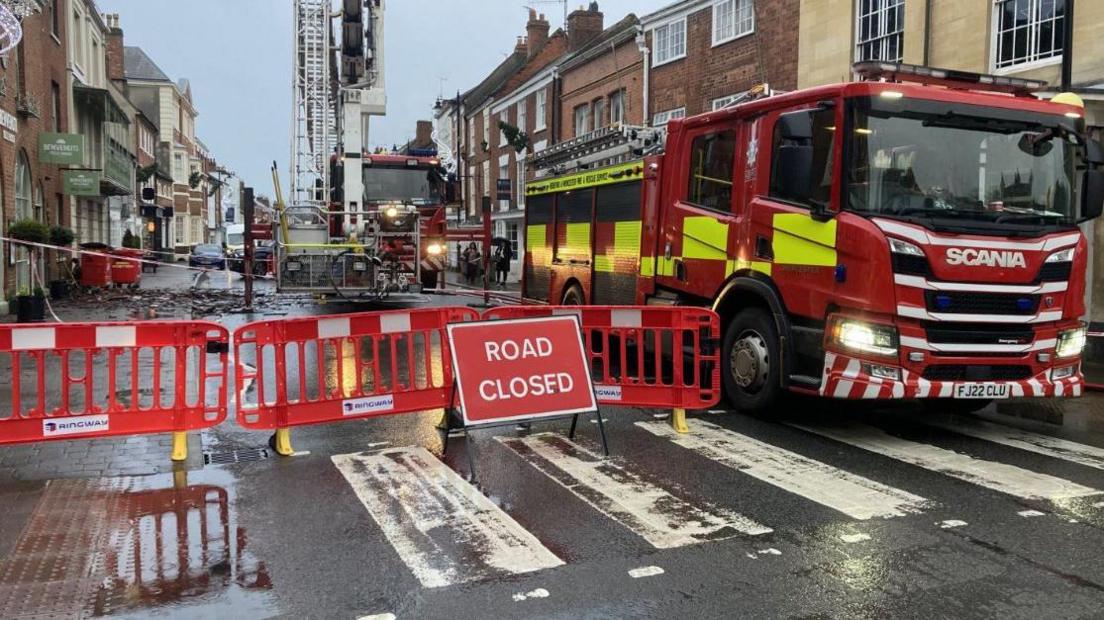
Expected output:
(237, 54)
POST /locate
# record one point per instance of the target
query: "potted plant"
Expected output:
(32, 306)
(60, 237)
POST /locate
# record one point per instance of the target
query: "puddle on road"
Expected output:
(168, 544)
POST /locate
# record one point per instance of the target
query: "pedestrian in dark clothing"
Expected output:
(471, 262)
(502, 264)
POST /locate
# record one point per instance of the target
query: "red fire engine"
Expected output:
(909, 236)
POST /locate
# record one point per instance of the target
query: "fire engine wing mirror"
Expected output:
(1092, 194)
(1094, 153)
(795, 171)
(797, 126)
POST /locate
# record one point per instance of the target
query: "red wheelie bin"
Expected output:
(95, 269)
(126, 272)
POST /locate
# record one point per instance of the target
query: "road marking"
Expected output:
(378, 617)
(443, 528)
(770, 551)
(990, 474)
(1090, 456)
(538, 593)
(853, 495)
(647, 510)
(1098, 504)
(645, 571)
(949, 523)
(1030, 513)
(854, 538)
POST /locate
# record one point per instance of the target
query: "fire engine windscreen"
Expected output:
(958, 162)
(409, 185)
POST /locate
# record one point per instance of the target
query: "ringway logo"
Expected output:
(985, 258)
(371, 404)
(607, 392)
(75, 425)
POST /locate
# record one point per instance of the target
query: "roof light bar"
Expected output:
(901, 72)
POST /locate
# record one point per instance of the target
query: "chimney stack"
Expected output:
(423, 135)
(583, 25)
(522, 46)
(537, 30)
(116, 65)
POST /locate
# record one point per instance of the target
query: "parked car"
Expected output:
(207, 255)
(262, 258)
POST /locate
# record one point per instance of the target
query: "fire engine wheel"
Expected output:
(573, 296)
(749, 361)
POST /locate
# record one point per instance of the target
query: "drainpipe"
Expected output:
(927, 31)
(645, 54)
(1067, 53)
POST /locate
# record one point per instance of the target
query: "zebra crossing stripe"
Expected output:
(649, 511)
(1089, 456)
(443, 528)
(851, 494)
(990, 474)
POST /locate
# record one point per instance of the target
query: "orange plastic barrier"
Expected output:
(312, 370)
(88, 380)
(645, 356)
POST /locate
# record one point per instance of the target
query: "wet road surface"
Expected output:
(820, 510)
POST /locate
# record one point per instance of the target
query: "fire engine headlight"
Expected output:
(434, 248)
(392, 212)
(866, 337)
(904, 247)
(1061, 256)
(1071, 342)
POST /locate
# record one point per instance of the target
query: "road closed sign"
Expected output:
(520, 369)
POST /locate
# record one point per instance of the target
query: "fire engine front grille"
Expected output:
(1055, 272)
(907, 264)
(978, 333)
(962, 302)
(975, 372)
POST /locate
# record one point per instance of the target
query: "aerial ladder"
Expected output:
(331, 239)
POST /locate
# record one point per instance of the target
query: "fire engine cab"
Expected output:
(912, 235)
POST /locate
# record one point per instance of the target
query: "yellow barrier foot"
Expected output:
(443, 423)
(180, 446)
(678, 421)
(281, 442)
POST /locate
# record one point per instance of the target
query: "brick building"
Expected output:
(34, 100)
(602, 83)
(703, 52)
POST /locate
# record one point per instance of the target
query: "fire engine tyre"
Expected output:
(429, 279)
(573, 296)
(750, 361)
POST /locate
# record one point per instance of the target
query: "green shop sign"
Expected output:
(66, 149)
(81, 182)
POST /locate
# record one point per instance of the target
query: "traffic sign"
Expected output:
(520, 369)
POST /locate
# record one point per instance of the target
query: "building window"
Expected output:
(55, 102)
(732, 19)
(669, 41)
(503, 173)
(1028, 31)
(487, 125)
(55, 26)
(582, 119)
(179, 229)
(712, 158)
(661, 118)
(512, 235)
(599, 106)
(197, 230)
(723, 101)
(503, 119)
(523, 116)
(541, 121)
(180, 174)
(520, 184)
(617, 107)
(880, 31)
(23, 208)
